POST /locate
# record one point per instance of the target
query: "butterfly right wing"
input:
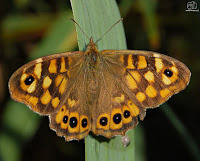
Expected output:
(129, 83)
(150, 77)
(113, 112)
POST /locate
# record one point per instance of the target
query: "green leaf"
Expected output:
(148, 9)
(60, 38)
(95, 18)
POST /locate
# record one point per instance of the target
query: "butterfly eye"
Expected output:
(103, 121)
(65, 119)
(29, 80)
(117, 118)
(168, 72)
(84, 122)
(73, 122)
(127, 114)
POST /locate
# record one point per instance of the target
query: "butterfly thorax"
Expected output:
(92, 55)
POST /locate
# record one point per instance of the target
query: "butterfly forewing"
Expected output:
(43, 83)
(150, 77)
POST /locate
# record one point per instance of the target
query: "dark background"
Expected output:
(174, 32)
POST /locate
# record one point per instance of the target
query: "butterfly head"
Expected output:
(91, 46)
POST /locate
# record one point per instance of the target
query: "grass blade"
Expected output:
(95, 18)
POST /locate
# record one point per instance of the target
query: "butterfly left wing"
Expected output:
(55, 85)
(42, 83)
(129, 83)
(73, 120)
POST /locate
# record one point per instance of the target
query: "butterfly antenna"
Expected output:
(78, 27)
(109, 29)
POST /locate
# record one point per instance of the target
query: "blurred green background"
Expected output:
(30, 29)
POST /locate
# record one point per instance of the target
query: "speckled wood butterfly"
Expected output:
(99, 91)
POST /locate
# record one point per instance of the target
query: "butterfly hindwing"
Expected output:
(73, 120)
(113, 112)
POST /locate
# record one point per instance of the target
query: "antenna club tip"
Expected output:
(71, 18)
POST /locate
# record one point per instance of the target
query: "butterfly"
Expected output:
(100, 91)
